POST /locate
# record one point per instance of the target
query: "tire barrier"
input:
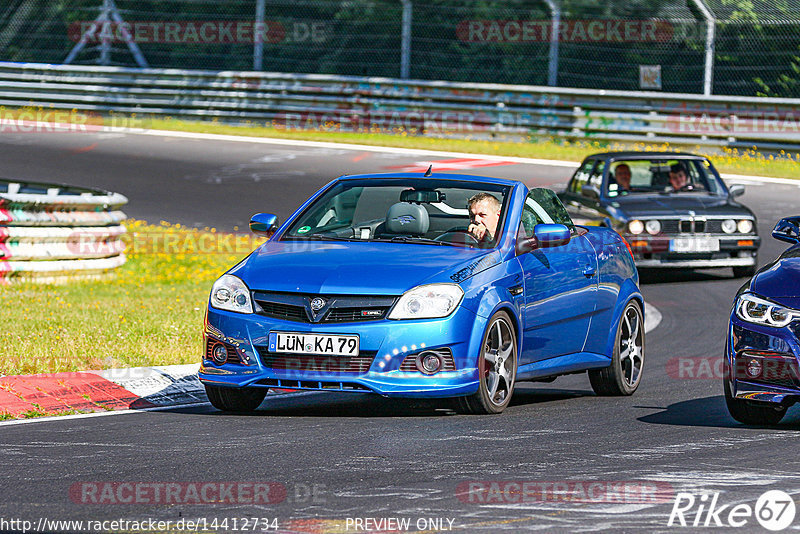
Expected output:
(53, 233)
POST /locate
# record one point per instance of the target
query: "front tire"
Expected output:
(624, 374)
(497, 368)
(749, 413)
(240, 400)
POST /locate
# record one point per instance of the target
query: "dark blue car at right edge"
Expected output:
(762, 378)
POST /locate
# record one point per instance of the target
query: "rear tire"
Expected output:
(497, 368)
(746, 271)
(749, 413)
(624, 374)
(240, 400)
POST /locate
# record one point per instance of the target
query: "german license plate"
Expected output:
(694, 244)
(304, 343)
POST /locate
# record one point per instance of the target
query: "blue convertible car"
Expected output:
(378, 283)
(762, 378)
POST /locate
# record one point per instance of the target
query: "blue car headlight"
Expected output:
(428, 302)
(757, 310)
(230, 293)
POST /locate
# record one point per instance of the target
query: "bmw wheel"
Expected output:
(622, 377)
(497, 366)
(240, 400)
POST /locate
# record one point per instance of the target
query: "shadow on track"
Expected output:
(708, 412)
(366, 405)
(679, 276)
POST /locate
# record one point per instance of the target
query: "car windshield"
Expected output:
(423, 211)
(666, 176)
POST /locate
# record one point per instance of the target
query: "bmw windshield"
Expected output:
(431, 211)
(665, 176)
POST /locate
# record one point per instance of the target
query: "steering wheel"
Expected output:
(461, 237)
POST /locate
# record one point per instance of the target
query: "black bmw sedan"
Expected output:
(672, 208)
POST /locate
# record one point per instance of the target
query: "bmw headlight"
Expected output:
(728, 226)
(636, 227)
(745, 226)
(653, 227)
(428, 302)
(756, 310)
(230, 293)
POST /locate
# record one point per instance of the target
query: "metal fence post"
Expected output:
(555, 29)
(405, 41)
(258, 46)
(711, 27)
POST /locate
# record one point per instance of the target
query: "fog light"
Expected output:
(754, 368)
(219, 354)
(429, 363)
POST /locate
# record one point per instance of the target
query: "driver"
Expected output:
(622, 175)
(484, 214)
(678, 177)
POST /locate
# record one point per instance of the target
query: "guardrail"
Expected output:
(54, 233)
(416, 107)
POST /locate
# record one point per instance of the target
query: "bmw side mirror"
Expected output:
(264, 224)
(544, 236)
(590, 191)
(788, 230)
(736, 190)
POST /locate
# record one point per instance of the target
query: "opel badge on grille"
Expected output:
(317, 304)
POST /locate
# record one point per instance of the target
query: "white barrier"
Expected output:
(53, 233)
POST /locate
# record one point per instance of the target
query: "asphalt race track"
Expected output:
(354, 456)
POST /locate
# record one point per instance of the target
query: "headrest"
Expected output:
(405, 218)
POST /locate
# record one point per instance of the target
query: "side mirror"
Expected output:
(590, 191)
(736, 190)
(264, 224)
(545, 236)
(788, 230)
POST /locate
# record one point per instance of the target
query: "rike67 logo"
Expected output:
(774, 510)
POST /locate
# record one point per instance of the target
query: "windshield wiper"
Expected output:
(319, 237)
(415, 240)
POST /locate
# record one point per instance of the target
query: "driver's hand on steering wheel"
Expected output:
(480, 232)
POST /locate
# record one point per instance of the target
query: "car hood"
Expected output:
(780, 280)
(678, 204)
(356, 268)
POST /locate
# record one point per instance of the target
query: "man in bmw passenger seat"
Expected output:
(484, 214)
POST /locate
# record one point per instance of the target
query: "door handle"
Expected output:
(589, 271)
(515, 291)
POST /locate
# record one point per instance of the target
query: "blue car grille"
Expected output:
(336, 308)
(316, 363)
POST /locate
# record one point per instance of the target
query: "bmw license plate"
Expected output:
(300, 343)
(694, 244)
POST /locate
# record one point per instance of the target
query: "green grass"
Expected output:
(150, 312)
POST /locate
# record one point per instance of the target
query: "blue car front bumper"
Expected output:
(386, 342)
(763, 363)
